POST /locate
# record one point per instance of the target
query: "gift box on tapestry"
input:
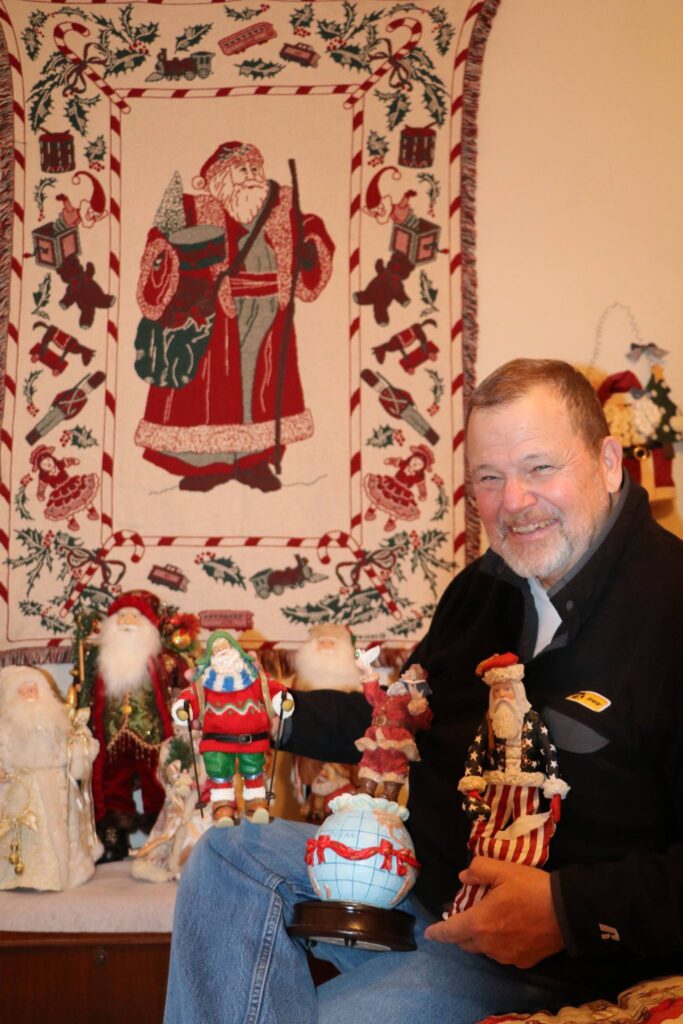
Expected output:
(53, 243)
(417, 239)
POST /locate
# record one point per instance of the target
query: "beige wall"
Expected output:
(580, 187)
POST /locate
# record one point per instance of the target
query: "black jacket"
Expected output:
(617, 855)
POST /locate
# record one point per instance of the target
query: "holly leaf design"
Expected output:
(428, 294)
(30, 385)
(361, 606)
(397, 104)
(301, 17)
(77, 109)
(20, 503)
(443, 36)
(259, 68)
(82, 437)
(192, 36)
(48, 620)
(40, 191)
(377, 145)
(351, 56)
(416, 624)
(382, 437)
(40, 104)
(41, 297)
(224, 570)
(246, 14)
(96, 150)
(38, 556)
(122, 61)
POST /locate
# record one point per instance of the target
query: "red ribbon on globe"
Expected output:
(404, 857)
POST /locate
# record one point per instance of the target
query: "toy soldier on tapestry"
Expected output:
(130, 696)
(218, 282)
(235, 703)
(47, 831)
(511, 764)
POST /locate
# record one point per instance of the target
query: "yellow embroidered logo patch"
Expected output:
(591, 700)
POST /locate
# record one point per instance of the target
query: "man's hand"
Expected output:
(514, 923)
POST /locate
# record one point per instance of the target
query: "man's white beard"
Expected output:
(507, 719)
(334, 669)
(124, 653)
(244, 202)
(33, 733)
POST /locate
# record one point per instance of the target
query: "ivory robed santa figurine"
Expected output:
(130, 697)
(47, 829)
(234, 702)
(511, 765)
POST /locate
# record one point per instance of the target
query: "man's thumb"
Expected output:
(481, 871)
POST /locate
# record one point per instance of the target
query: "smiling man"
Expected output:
(585, 589)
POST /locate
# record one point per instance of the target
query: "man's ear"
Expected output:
(611, 454)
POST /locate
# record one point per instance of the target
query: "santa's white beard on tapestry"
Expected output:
(124, 653)
(244, 201)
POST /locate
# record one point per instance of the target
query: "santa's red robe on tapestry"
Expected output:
(219, 278)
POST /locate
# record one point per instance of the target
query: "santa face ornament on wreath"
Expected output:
(361, 862)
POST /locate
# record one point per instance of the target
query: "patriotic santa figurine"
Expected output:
(511, 765)
(234, 702)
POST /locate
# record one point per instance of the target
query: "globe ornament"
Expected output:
(361, 863)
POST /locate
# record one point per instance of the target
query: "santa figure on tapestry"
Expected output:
(47, 831)
(68, 493)
(395, 494)
(130, 696)
(219, 278)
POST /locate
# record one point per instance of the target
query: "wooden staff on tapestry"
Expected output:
(289, 316)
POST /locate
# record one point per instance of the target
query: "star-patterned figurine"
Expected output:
(511, 765)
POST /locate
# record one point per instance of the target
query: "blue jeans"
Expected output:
(232, 961)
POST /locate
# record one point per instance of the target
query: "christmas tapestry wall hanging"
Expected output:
(237, 311)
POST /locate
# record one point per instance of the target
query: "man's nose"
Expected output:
(517, 495)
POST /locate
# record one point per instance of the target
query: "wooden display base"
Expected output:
(353, 924)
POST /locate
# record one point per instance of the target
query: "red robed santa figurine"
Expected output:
(511, 764)
(234, 702)
(130, 699)
(398, 712)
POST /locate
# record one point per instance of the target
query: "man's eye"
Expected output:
(542, 468)
(488, 479)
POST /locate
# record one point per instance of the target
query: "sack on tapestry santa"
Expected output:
(176, 294)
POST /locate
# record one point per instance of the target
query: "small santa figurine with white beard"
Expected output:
(511, 765)
(234, 702)
(130, 699)
(325, 662)
(47, 836)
